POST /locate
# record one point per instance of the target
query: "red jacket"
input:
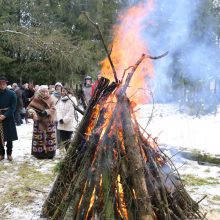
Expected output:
(94, 85)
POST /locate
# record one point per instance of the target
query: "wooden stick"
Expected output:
(122, 91)
(75, 106)
(202, 199)
(105, 47)
(157, 57)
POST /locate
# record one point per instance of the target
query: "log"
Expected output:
(153, 185)
(136, 166)
(155, 195)
(156, 173)
(108, 182)
(92, 181)
(124, 173)
(75, 189)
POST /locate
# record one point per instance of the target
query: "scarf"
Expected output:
(39, 104)
(64, 98)
(57, 94)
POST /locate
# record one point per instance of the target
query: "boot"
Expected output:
(1, 157)
(9, 157)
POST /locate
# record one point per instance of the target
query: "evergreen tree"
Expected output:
(51, 40)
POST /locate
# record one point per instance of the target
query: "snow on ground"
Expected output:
(176, 131)
(25, 182)
(180, 130)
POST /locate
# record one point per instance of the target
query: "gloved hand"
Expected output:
(42, 114)
(61, 121)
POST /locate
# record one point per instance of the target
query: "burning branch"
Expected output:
(104, 44)
(137, 64)
(129, 76)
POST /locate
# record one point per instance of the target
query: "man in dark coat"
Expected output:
(8, 131)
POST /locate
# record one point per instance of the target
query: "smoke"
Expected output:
(182, 28)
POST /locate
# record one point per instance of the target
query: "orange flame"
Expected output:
(92, 200)
(80, 201)
(93, 120)
(128, 46)
(123, 212)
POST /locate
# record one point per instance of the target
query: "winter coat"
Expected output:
(66, 111)
(94, 85)
(8, 100)
(20, 103)
(38, 105)
(87, 92)
(56, 97)
(28, 96)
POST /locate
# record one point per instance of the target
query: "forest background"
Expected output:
(45, 41)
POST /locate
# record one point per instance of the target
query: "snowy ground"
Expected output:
(181, 130)
(25, 182)
(177, 131)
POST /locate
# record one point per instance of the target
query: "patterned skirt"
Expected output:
(44, 142)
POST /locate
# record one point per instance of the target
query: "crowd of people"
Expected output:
(50, 107)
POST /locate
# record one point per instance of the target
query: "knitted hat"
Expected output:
(58, 84)
(88, 77)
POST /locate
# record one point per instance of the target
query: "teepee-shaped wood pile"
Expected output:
(112, 171)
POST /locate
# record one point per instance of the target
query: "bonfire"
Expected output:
(113, 168)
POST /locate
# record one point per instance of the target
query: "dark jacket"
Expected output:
(8, 100)
(20, 103)
(28, 96)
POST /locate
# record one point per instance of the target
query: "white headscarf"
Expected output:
(42, 87)
(40, 92)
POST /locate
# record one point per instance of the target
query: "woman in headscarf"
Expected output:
(42, 110)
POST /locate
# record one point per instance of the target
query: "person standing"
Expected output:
(57, 91)
(87, 86)
(28, 95)
(20, 104)
(66, 116)
(56, 96)
(42, 110)
(8, 132)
